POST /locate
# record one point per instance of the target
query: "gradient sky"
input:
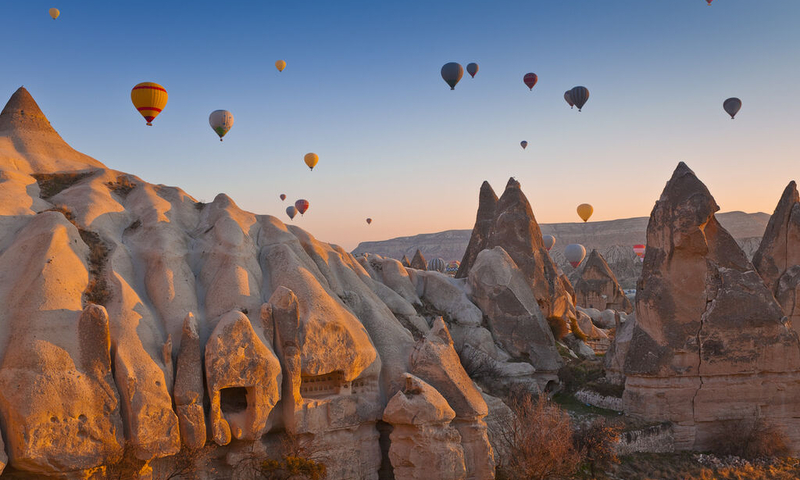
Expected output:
(362, 89)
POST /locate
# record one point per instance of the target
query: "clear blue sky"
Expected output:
(362, 89)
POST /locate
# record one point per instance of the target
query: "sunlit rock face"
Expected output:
(139, 321)
(711, 344)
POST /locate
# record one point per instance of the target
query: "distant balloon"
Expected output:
(301, 205)
(709, 2)
(549, 241)
(280, 65)
(575, 253)
(585, 211)
(732, 106)
(452, 267)
(283, 196)
(221, 122)
(291, 211)
(149, 99)
(369, 221)
(472, 69)
(54, 12)
(639, 251)
(579, 95)
(530, 80)
(568, 98)
(523, 144)
(437, 264)
(452, 73)
(311, 160)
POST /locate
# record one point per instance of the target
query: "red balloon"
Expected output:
(530, 80)
(369, 221)
(709, 2)
(283, 196)
(301, 206)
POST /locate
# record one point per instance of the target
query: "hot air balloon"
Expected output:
(54, 12)
(530, 80)
(291, 211)
(221, 121)
(301, 205)
(150, 99)
(280, 65)
(568, 98)
(452, 267)
(452, 73)
(311, 160)
(579, 95)
(585, 211)
(549, 241)
(472, 69)
(523, 144)
(575, 253)
(436, 264)
(732, 106)
(369, 221)
(283, 197)
(639, 251)
(709, 2)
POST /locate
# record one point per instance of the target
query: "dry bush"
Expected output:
(535, 442)
(558, 327)
(51, 184)
(478, 364)
(576, 330)
(122, 186)
(596, 441)
(751, 438)
(185, 465)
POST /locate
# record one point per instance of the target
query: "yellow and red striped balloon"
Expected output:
(149, 99)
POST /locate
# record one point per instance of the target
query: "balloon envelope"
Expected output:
(221, 122)
(437, 264)
(530, 80)
(301, 205)
(568, 98)
(283, 196)
(585, 211)
(369, 221)
(291, 211)
(280, 65)
(549, 241)
(472, 69)
(149, 99)
(452, 73)
(579, 95)
(709, 2)
(639, 251)
(732, 106)
(54, 12)
(524, 144)
(311, 160)
(575, 253)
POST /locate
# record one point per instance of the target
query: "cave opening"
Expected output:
(233, 399)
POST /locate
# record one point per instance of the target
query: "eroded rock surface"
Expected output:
(710, 344)
(598, 288)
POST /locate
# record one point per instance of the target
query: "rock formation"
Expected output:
(405, 261)
(487, 205)
(424, 445)
(189, 390)
(778, 257)
(597, 286)
(419, 262)
(710, 344)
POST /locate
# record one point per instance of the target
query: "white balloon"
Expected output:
(221, 121)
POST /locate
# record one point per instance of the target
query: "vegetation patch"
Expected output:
(122, 186)
(51, 184)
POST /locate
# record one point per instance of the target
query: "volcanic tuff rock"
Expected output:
(597, 286)
(419, 261)
(778, 257)
(710, 344)
(487, 206)
(117, 293)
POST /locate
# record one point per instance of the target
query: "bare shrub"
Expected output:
(186, 464)
(535, 441)
(751, 438)
(596, 441)
(558, 327)
(478, 364)
(122, 186)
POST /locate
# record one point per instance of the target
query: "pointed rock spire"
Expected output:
(419, 261)
(778, 257)
(35, 146)
(598, 288)
(487, 205)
